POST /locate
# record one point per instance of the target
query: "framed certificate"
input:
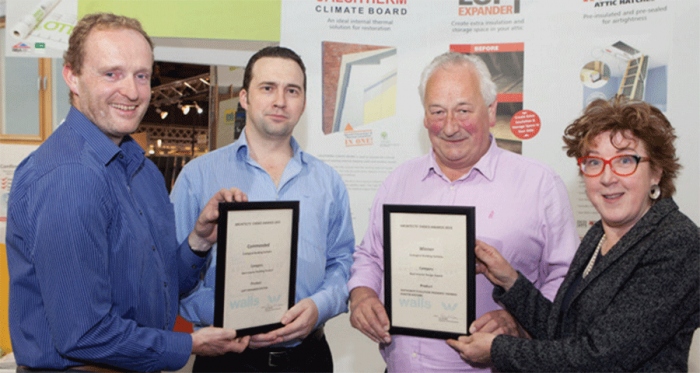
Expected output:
(429, 270)
(255, 265)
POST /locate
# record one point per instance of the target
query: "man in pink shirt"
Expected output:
(522, 209)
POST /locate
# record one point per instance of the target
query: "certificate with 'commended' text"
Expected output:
(429, 269)
(256, 265)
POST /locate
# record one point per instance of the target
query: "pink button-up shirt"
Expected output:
(522, 209)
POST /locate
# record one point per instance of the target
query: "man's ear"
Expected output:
(492, 113)
(71, 78)
(243, 99)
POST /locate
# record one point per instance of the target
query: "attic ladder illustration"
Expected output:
(632, 84)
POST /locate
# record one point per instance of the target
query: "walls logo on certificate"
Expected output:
(251, 301)
(449, 306)
(415, 303)
(274, 303)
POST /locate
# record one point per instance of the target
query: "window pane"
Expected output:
(20, 92)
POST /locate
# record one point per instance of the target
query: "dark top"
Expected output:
(636, 311)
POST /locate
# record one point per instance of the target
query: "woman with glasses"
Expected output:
(630, 300)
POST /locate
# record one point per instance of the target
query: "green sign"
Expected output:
(257, 20)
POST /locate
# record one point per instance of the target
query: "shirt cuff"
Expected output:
(198, 254)
(325, 305)
(177, 350)
(500, 295)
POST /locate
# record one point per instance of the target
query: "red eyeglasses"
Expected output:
(621, 165)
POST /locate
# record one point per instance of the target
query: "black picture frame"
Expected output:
(422, 295)
(249, 219)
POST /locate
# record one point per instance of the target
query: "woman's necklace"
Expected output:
(591, 262)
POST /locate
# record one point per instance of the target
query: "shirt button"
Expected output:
(194, 266)
(165, 284)
(140, 212)
(414, 355)
(153, 247)
(452, 187)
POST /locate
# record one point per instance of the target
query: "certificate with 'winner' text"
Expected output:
(256, 265)
(429, 270)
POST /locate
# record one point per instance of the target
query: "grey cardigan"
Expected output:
(636, 310)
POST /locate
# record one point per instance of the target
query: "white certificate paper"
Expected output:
(429, 270)
(256, 265)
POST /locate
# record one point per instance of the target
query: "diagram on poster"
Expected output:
(506, 64)
(359, 85)
(623, 68)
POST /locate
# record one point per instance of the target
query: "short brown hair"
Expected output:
(101, 21)
(275, 52)
(639, 119)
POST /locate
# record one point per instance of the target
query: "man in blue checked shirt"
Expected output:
(267, 164)
(95, 267)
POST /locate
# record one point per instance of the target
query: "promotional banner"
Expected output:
(548, 58)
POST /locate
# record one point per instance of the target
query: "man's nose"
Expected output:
(129, 89)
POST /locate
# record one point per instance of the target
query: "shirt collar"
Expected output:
(240, 149)
(105, 149)
(486, 166)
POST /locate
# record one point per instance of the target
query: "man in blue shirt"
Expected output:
(95, 266)
(267, 164)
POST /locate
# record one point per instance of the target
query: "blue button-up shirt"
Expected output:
(95, 267)
(326, 239)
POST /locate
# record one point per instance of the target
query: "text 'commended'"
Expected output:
(257, 267)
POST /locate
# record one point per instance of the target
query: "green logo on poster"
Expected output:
(39, 45)
(229, 116)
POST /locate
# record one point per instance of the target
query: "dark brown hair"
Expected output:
(274, 51)
(635, 120)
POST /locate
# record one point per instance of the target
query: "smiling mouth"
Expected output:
(455, 140)
(124, 107)
(612, 196)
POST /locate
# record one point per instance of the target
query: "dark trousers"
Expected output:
(312, 355)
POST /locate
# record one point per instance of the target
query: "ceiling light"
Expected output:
(199, 109)
(185, 108)
(162, 113)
